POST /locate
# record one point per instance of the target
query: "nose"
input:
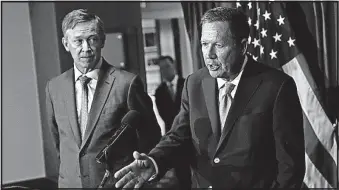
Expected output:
(85, 45)
(211, 52)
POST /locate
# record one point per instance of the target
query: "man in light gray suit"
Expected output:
(85, 106)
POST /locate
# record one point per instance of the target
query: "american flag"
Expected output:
(272, 41)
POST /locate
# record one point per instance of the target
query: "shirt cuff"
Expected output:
(156, 169)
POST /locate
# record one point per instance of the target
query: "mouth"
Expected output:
(86, 57)
(213, 67)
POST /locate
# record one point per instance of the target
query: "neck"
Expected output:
(237, 70)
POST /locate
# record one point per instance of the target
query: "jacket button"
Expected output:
(216, 160)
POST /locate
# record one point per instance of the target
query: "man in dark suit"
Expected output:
(168, 94)
(85, 106)
(259, 144)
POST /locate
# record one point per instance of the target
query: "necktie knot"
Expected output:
(84, 80)
(229, 87)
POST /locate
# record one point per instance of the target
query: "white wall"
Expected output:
(22, 156)
(166, 38)
(47, 63)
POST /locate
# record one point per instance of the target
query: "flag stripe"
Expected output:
(319, 127)
(319, 155)
(320, 123)
(313, 179)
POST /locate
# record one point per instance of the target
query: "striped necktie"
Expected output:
(84, 80)
(225, 101)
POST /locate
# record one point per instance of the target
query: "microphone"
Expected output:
(130, 120)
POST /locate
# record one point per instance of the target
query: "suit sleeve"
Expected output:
(289, 137)
(161, 106)
(175, 146)
(52, 125)
(149, 131)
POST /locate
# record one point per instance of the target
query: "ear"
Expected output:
(243, 46)
(65, 43)
(103, 40)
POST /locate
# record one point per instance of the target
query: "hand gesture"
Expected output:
(136, 173)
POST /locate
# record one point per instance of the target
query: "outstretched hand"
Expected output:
(136, 173)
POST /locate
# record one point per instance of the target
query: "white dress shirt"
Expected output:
(94, 75)
(173, 84)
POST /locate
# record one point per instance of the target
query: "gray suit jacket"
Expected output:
(116, 93)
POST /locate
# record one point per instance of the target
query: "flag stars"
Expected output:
(257, 24)
(263, 32)
(281, 20)
(256, 42)
(273, 54)
(255, 58)
(249, 5)
(277, 37)
(249, 21)
(290, 42)
(238, 4)
(261, 49)
(267, 15)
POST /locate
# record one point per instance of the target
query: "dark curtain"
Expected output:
(193, 12)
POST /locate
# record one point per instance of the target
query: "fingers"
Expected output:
(123, 171)
(129, 181)
(136, 155)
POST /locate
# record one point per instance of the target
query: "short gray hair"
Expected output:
(237, 19)
(82, 15)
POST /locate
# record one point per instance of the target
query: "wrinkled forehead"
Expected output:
(83, 29)
(215, 30)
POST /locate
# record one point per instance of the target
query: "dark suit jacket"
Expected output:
(116, 93)
(168, 108)
(262, 143)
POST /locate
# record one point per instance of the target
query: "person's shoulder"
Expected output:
(59, 79)
(124, 74)
(199, 74)
(160, 88)
(268, 72)
(119, 73)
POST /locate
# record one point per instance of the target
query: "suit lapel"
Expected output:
(179, 90)
(209, 88)
(102, 91)
(69, 97)
(248, 84)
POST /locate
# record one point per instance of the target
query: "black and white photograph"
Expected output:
(169, 94)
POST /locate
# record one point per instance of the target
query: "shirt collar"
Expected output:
(174, 81)
(236, 80)
(93, 74)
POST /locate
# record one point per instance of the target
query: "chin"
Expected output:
(215, 74)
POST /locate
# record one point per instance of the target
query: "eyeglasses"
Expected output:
(92, 41)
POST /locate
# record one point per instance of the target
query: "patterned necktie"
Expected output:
(84, 80)
(225, 100)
